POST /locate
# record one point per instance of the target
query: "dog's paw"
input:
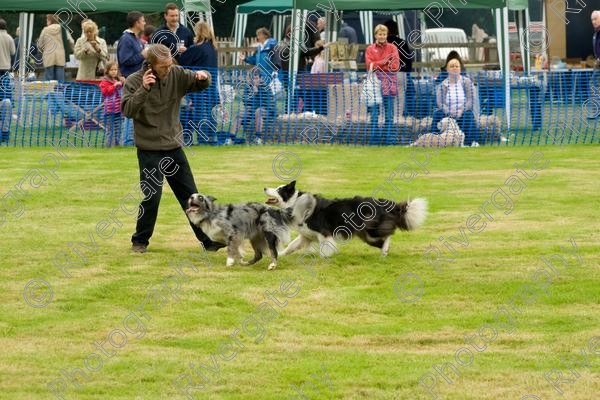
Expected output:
(230, 262)
(272, 266)
(244, 262)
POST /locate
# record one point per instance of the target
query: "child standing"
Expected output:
(111, 86)
(259, 109)
(319, 65)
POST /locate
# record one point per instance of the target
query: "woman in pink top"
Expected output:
(382, 57)
(111, 86)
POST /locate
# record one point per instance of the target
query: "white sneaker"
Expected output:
(474, 144)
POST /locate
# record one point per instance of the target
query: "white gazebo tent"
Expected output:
(499, 9)
(281, 10)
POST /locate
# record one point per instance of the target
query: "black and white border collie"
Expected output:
(316, 218)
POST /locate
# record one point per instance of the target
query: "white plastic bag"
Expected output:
(276, 85)
(370, 92)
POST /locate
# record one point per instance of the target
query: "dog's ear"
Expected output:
(211, 198)
(292, 184)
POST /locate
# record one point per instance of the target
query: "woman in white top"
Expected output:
(319, 65)
(455, 100)
(91, 51)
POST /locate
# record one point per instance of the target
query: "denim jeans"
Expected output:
(127, 132)
(54, 73)
(593, 105)
(5, 119)
(388, 135)
(112, 129)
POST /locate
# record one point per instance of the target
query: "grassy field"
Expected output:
(357, 326)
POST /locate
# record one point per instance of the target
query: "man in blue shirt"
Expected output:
(172, 34)
(130, 48)
(130, 56)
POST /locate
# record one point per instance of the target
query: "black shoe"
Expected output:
(213, 246)
(139, 248)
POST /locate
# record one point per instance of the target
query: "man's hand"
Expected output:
(149, 79)
(201, 75)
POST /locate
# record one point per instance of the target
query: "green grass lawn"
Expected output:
(354, 325)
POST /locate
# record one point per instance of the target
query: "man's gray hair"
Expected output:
(158, 52)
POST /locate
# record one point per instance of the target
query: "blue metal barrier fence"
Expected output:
(355, 108)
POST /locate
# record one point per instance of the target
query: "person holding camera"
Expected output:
(91, 51)
(152, 98)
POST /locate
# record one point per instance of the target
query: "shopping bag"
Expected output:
(276, 85)
(370, 92)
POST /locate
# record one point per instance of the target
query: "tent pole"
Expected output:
(506, 49)
(25, 39)
(501, 17)
(295, 43)
(527, 55)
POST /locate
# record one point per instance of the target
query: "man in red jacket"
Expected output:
(382, 58)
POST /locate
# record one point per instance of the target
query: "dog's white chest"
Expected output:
(213, 231)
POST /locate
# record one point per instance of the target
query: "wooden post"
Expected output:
(556, 24)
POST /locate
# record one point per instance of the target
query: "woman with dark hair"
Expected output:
(7, 48)
(406, 55)
(443, 73)
(454, 99)
(404, 51)
(147, 33)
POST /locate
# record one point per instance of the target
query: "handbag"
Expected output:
(370, 92)
(99, 69)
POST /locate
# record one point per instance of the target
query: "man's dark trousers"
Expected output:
(154, 167)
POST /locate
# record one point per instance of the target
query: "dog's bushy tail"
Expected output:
(276, 222)
(411, 214)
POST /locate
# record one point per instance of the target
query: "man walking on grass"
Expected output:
(151, 97)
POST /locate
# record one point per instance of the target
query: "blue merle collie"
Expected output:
(268, 229)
